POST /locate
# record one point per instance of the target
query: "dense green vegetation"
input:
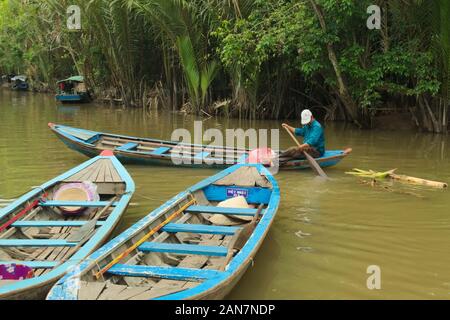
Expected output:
(247, 58)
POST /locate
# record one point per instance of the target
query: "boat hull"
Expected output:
(37, 287)
(226, 272)
(72, 98)
(20, 87)
(331, 158)
(40, 291)
(223, 289)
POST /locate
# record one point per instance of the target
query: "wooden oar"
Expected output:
(73, 250)
(143, 239)
(241, 237)
(89, 226)
(312, 162)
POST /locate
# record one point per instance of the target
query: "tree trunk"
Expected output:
(443, 115)
(436, 125)
(350, 106)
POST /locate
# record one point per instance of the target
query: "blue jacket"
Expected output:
(313, 135)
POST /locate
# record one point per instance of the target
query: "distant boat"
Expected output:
(19, 83)
(196, 246)
(157, 152)
(72, 90)
(37, 233)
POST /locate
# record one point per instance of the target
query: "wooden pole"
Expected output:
(312, 162)
(419, 181)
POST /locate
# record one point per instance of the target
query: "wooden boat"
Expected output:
(192, 247)
(72, 90)
(34, 233)
(19, 83)
(157, 152)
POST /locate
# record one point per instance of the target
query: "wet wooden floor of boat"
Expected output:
(185, 253)
(101, 171)
(158, 149)
(156, 288)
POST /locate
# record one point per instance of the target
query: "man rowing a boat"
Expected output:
(313, 138)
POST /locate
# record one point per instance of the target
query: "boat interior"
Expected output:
(198, 154)
(38, 234)
(157, 148)
(201, 234)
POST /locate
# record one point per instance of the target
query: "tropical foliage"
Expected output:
(246, 58)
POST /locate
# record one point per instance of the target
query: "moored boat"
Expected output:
(196, 246)
(19, 83)
(57, 225)
(72, 90)
(158, 152)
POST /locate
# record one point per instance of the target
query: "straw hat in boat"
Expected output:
(237, 202)
(82, 192)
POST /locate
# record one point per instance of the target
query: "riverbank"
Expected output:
(270, 58)
(389, 121)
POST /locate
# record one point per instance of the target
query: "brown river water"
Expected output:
(326, 234)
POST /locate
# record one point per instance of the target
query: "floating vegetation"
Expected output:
(375, 176)
(371, 174)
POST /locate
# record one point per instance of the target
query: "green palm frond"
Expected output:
(208, 74)
(190, 67)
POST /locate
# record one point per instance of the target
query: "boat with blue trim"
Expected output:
(72, 90)
(198, 245)
(158, 152)
(19, 83)
(49, 230)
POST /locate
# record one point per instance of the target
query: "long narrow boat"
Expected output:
(192, 247)
(158, 152)
(35, 232)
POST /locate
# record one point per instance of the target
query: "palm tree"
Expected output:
(183, 27)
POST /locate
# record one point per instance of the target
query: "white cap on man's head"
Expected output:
(306, 117)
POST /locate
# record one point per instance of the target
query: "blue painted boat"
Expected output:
(158, 152)
(196, 246)
(72, 98)
(72, 90)
(35, 233)
(19, 83)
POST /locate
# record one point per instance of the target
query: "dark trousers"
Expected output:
(296, 153)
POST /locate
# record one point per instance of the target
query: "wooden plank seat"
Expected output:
(51, 224)
(224, 211)
(34, 264)
(184, 249)
(83, 204)
(39, 243)
(159, 151)
(128, 146)
(200, 229)
(170, 273)
(94, 139)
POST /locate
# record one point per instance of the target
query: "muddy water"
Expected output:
(325, 236)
